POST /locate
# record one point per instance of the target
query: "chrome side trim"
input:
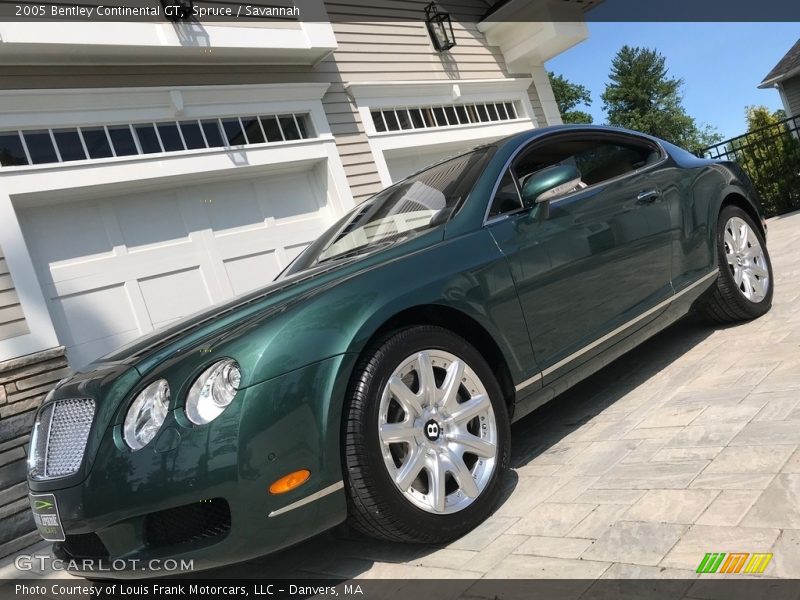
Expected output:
(616, 331)
(303, 501)
(528, 382)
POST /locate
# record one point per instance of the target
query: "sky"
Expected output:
(721, 64)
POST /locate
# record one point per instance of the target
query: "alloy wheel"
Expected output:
(746, 259)
(438, 432)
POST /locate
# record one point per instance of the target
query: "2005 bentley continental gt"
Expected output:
(375, 379)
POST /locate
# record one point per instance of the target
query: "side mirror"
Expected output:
(549, 183)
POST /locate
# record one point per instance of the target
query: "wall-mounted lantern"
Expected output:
(440, 28)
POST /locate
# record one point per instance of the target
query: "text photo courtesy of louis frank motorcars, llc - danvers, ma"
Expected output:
(480, 299)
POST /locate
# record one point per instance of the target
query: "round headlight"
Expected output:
(213, 391)
(146, 415)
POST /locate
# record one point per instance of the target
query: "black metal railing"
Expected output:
(771, 158)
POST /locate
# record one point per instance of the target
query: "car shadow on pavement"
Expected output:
(538, 432)
(343, 553)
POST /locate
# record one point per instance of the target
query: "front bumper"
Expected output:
(195, 473)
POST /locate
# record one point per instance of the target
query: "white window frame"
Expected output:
(53, 109)
(370, 96)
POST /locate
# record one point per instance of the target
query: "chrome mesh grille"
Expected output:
(60, 435)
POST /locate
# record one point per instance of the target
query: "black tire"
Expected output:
(376, 506)
(725, 302)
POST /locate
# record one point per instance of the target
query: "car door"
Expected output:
(594, 264)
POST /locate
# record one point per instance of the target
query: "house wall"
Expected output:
(791, 95)
(24, 382)
(12, 319)
(400, 50)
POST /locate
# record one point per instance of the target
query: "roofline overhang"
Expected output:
(773, 81)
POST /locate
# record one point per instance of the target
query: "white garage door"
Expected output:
(402, 164)
(115, 268)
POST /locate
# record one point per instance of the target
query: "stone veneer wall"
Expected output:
(24, 382)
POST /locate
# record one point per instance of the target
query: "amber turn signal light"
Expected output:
(289, 482)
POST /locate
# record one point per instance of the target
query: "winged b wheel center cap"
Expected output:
(432, 430)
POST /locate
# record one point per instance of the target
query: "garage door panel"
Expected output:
(250, 272)
(150, 220)
(402, 165)
(82, 354)
(116, 268)
(172, 295)
(288, 197)
(294, 251)
(72, 279)
(235, 209)
(65, 233)
(269, 238)
(96, 314)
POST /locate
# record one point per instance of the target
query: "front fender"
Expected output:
(468, 274)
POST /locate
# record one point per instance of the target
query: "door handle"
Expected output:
(648, 196)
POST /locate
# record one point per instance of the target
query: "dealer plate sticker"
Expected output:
(45, 513)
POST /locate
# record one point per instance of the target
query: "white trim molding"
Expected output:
(93, 106)
(531, 32)
(42, 334)
(398, 94)
(305, 41)
(390, 93)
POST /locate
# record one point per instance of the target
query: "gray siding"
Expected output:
(791, 90)
(12, 319)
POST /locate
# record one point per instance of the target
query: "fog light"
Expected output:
(289, 482)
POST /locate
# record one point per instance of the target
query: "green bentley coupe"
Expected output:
(375, 379)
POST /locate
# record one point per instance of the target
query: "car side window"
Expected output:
(596, 160)
(606, 161)
(507, 198)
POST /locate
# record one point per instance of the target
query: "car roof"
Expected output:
(542, 131)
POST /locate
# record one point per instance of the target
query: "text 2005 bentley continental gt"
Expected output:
(375, 379)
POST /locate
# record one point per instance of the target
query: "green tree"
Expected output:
(770, 154)
(642, 96)
(568, 96)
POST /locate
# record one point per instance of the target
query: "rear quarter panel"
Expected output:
(703, 186)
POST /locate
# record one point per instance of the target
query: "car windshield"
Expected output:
(415, 204)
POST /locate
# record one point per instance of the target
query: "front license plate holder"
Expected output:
(45, 514)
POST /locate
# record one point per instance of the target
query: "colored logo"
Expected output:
(734, 562)
(42, 505)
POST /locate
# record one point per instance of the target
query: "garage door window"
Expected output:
(447, 115)
(42, 146)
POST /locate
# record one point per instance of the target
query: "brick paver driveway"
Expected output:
(685, 446)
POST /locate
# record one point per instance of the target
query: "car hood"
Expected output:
(206, 326)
